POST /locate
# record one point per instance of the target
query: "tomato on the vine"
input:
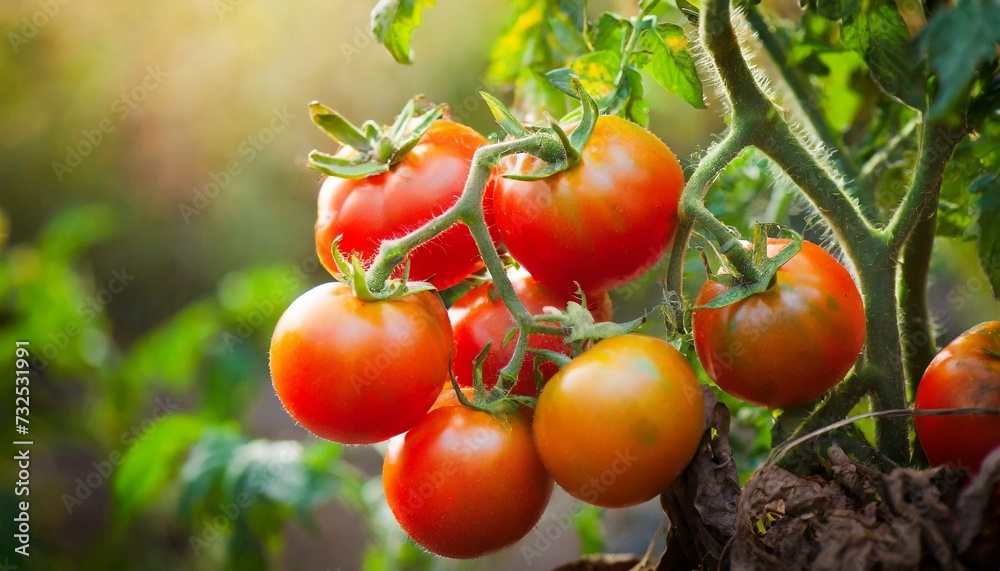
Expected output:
(789, 344)
(464, 483)
(426, 182)
(965, 374)
(621, 421)
(480, 317)
(601, 223)
(360, 372)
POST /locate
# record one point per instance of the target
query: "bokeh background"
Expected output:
(156, 217)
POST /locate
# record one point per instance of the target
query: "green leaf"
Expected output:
(987, 217)
(957, 41)
(609, 32)
(206, 462)
(597, 71)
(879, 33)
(664, 54)
(152, 463)
(536, 39)
(393, 23)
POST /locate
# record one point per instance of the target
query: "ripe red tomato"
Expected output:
(965, 374)
(428, 180)
(601, 223)
(620, 422)
(790, 344)
(463, 483)
(360, 372)
(480, 317)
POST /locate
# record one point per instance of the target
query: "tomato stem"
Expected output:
(809, 102)
(468, 210)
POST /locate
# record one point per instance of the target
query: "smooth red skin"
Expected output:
(601, 223)
(478, 320)
(463, 483)
(787, 345)
(620, 422)
(962, 375)
(359, 372)
(428, 181)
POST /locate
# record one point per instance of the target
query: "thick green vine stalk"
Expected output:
(873, 251)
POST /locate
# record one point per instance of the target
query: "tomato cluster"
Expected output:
(469, 469)
(613, 428)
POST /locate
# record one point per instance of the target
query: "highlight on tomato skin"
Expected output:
(601, 223)
(480, 317)
(428, 180)
(464, 483)
(790, 344)
(965, 374)
(359, 372)
(621, 421)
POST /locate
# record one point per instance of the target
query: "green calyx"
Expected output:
(572, 144)
(495, 401)
(353, 274)
(741, 288)
(376, 149)
(581, 328)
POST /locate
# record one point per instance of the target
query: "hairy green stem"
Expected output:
(709, 168)
(919, 347)
(775, 139)
(803, 92)
(836, 406)
(937, 143)
(468, 210)
(882, 358)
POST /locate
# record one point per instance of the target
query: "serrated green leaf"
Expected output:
(957, 42)
(152, 463)
(609, 32)
(879, 33)
(664, 54)
(393, 23)
(987, 216)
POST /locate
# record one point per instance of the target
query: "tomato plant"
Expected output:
(811, 318)
(428, 179)
(480, 317)
(464, 483)
(965, 374)
(602, 222)
(620, 422)
(360, 372)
